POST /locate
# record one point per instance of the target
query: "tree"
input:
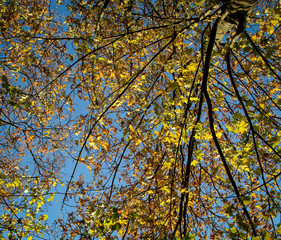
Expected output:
(169, 110)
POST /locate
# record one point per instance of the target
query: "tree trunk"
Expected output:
(234, 16)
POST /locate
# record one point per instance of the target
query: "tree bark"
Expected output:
(234, 16)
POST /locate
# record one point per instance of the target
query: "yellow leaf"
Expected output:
(138, 142)
(194, 99)
(194, 162)
(131, 128)
(150, 191)
(167, 165)
(166, 189)
(192, 67)
(93, 145)
(51, 198)
(112, 74)
(208, 136)
(219, 134)
(17, 182)
(91, 231)
(184, 190)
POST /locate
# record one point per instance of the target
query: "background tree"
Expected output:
(170, 111)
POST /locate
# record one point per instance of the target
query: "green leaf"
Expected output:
(71, 57)
(190, 237)
(27, 105)
(13, 90)
(267, 236)
(256, 238)
(278, 230)
(5, 84)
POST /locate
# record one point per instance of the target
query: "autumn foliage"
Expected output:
(135, 119)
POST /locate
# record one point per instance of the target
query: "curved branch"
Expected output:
(211, 120)
(262, 56)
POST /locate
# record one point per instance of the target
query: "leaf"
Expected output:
(278, 230)
(190, 237)
(71, 57)
(5, 84)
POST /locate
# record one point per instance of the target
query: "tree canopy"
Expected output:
(140, 119)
